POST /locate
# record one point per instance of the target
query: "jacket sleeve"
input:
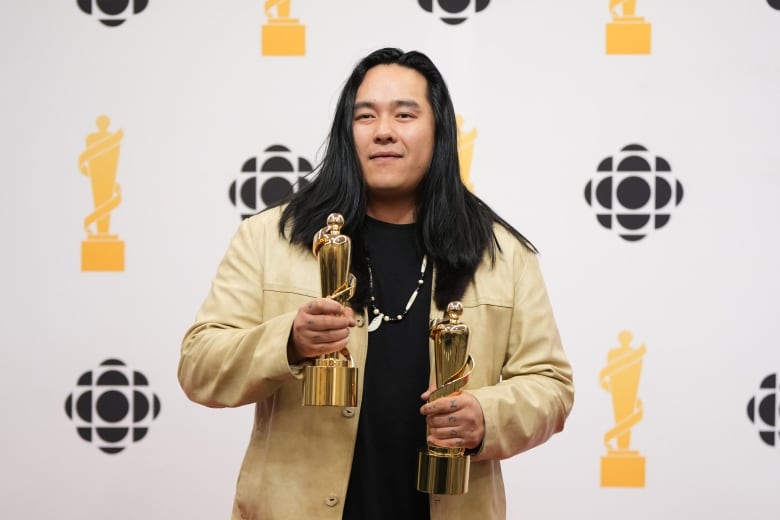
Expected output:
(232, 355)
(535, 393)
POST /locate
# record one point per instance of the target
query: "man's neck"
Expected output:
(392, 213)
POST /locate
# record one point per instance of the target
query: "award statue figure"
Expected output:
(282, 35)
(440, 470)
(332, 380)
(623, 466)
(102, 251)
(627, 33)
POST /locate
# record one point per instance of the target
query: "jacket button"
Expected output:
(331, 501)
(359, 321)
(348, 412)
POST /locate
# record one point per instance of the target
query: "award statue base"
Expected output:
(103, 254)
(623, 469)
(330, 382)
(442, 471)
(284, 38)
(628, 36)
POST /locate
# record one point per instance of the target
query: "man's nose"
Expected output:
(384, 131)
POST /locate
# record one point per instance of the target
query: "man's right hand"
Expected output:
(321, 326)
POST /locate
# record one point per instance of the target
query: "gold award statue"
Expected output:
(622, 466)
(628, 33)
(102, 251)
(282, 35)
(445, 471)
(332, 380)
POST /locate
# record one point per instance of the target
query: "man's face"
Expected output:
(394, 128)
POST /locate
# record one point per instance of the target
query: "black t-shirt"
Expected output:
(391, 431)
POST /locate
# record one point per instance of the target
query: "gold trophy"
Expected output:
(333, 379)
(628, 33)
(282, 35)
(102, 251)
(622, 466)
(445, 471)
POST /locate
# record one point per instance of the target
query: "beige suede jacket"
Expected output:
(298, 460)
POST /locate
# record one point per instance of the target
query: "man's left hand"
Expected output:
(454, 421)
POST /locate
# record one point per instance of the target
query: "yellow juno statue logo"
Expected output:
(282, 35)
(627, 33)
(622, 466)
(102, 251)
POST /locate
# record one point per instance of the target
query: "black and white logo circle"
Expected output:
(268, 179)
(112, 12)
(763, 411)
(112, 406)
(634, 193)
(453, 12)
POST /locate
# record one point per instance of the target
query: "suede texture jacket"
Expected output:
(299, 458)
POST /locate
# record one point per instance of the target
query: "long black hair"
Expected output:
(455, 227)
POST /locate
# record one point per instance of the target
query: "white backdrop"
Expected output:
(188, 86)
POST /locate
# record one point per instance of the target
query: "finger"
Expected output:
(452, 437)
(310, 315)
(350, 314)
(314, 331)
(310, 349)
(328, 336)
(444, 405)
(324, 323)
(432, 408)
(442, 421)
(425, 395)
(324, 306)
(449, 439)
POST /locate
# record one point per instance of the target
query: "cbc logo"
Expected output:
(268, 179)
(635, 194)
(112, 406)
(453, 12)
(112, 12)
(763, 410)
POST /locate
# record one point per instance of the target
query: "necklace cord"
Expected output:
(380, 316)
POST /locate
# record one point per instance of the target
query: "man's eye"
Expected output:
(363, 116)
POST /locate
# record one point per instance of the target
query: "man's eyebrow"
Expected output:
(407, 103)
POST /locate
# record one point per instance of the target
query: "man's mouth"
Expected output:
(385, 155)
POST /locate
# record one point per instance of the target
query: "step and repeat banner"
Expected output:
(634, 142)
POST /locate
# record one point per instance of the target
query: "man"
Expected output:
(420, 240)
